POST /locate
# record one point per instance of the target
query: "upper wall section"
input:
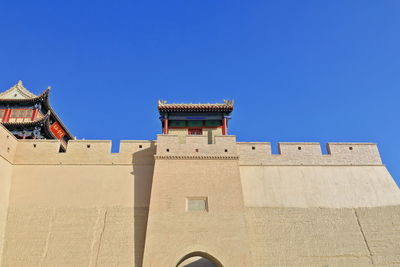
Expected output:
(96, 152)
(309, 154)
(196, 147)
(174, 146)
(252, 153)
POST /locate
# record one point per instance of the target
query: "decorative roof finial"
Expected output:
(162, 102)
(229, 102)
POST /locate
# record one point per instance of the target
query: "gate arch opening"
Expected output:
(198, 259)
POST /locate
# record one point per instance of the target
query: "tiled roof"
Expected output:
(227, 106)
(19, 87)
(42, 97)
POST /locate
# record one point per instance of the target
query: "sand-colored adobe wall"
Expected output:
(8, 145)
(5, 184)
(324, 237)
(74, 215)
(85, 207)
(89, 207)
(295, 153)
(77, 215)
(318, 186)
(196, 169)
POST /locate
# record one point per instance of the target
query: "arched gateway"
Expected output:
(198, 259)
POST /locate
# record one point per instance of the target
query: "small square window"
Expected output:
(196, 204)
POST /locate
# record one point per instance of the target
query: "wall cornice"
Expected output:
(195, 157)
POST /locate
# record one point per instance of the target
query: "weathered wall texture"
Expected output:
(219, 231)
(8, 146)
(87, 207)
(318, 186)
(90, 207)
(324, 237)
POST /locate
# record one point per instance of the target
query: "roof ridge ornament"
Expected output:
(161, 102)
(229, 102)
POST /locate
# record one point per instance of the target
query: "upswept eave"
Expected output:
(56, 118)
(44, 95)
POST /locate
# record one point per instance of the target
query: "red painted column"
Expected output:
(34, 114)
(165, 126)
(224, 127)
(7, 115)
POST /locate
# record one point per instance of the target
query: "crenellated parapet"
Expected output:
(184, 147)
(196, 147)
(260, 153)
(309, 154)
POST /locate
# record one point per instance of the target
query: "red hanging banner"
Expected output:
(57, 130)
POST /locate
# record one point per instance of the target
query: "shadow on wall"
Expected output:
(197, 262)
(143, 167)
(199, 259)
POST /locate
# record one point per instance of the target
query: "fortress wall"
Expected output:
(84, 207)
(252, 153)
(209, 176)
(77, 215)
(5, 184)
(83, 152)
(309, 154)
(8, 144)
(306, 149)
(321, 237)
(132, 146)
(174, 231)
(381, 229)
(318, 186)
(89, 207)
(89, 146)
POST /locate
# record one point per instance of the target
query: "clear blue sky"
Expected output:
(324, 71)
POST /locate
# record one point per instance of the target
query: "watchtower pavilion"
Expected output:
(195, 119)
(29, 116)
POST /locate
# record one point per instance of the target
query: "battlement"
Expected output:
(191, 146)
(195, 146)
(309, 154)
